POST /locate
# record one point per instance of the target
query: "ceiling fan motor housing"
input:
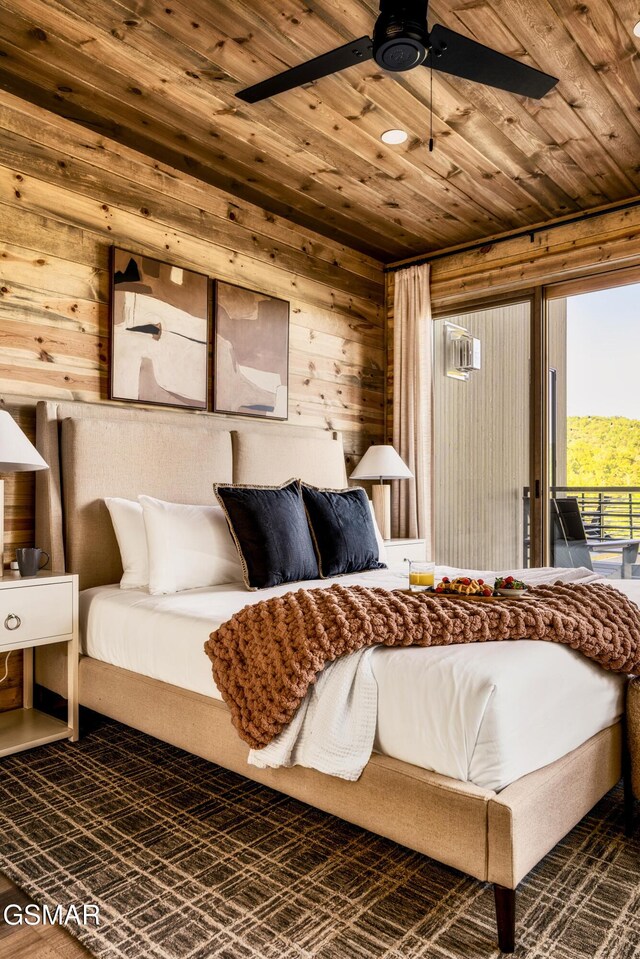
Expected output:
(401, 36)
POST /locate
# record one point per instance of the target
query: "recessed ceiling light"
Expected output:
(394, 136)
(636, 29)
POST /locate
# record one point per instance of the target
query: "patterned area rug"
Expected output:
(189, 861)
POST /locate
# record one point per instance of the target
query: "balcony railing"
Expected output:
(608, 512)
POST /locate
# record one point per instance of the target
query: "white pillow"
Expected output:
(128, 525)
(189, 546)
(382, 549)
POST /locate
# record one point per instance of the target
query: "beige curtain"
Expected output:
(412, 402)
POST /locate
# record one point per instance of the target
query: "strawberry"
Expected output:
(509, 579)
(480, 582)
(465, 582)
(487, 592)
(445, 579)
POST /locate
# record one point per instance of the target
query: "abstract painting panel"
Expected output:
(251, 353)
(159, 332)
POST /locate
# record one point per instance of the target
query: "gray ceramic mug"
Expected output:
(29, 560)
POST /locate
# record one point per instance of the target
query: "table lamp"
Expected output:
(17, 455)
(381, 463)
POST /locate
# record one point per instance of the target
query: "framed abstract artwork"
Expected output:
(251, 354)
(160, 322)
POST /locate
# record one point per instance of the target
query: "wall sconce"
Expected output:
(462, 352)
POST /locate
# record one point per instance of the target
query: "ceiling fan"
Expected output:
(402, 41)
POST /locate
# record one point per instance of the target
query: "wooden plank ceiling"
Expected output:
(160, 75)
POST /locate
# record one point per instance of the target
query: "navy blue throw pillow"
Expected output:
(343, 531)
(269, 526)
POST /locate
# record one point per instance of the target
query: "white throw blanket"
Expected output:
(334, 728)
(335, 725)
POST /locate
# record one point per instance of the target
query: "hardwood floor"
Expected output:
(33, 942)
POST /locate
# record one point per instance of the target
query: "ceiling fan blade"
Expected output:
(358, 51)
(461, 57)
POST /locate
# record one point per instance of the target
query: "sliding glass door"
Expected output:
(481, 386)
(594, 426)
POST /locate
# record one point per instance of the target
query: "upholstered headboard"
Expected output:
(95, 451)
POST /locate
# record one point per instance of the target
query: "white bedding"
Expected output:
(487, 713)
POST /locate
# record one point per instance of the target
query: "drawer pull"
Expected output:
(12, 621)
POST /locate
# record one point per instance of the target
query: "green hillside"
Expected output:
(603, 451)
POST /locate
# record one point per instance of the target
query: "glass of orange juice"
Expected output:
(421, 576)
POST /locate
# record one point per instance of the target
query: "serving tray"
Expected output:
(471, 599)
(475, 599)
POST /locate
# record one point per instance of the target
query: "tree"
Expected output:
(603, 451)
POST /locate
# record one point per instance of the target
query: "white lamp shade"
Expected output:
(381, 462)
(17, 454)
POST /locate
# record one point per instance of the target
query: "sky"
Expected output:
(603, 347)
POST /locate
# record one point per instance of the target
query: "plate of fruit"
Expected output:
(510, 586)
(464, 587)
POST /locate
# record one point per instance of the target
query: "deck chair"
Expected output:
(568, 537)
(570, 547)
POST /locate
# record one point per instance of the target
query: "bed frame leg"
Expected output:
(505, 917)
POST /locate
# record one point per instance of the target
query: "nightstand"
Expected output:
(400, 549)
(37, 611)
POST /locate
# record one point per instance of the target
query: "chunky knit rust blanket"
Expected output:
(267, 655)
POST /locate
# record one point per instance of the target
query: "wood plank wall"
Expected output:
(606, 242)
(67, 194)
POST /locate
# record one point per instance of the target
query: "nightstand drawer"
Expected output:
(31, 613)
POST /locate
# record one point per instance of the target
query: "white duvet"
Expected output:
(487, 713)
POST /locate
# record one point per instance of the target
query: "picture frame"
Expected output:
(160, 332)
(251, 353)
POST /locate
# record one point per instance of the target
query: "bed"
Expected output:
(483, 811)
